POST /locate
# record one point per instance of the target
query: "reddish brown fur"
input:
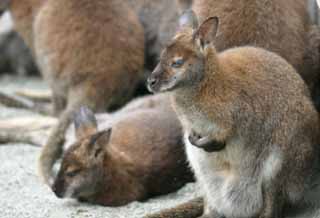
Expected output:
(144, 157)
(275, 25)
(88, 52)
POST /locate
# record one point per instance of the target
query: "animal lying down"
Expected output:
(131, 155)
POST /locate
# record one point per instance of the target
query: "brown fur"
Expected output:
(190, 209)
(143, 158)
(90, 55)
(275, 25)
(252, 100)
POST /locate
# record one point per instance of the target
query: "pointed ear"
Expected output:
(85, 122)
(207, 31)
(188, 19)
(98, 141)
(318, 3)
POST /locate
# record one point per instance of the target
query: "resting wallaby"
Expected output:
(249, 108)
(141, 157)
(271, 24)
(90, 55)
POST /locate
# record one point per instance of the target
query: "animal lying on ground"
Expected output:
(252, 112)
(140, 157)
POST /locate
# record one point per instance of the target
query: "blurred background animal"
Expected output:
(15, 57)
(81, 61)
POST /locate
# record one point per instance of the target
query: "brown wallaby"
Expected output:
(141, 157)
(251, 130)
(90, 55)
(271, 24)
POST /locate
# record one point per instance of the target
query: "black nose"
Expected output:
(56, 191)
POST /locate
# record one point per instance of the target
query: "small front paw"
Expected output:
(206, 143)
(194, 138)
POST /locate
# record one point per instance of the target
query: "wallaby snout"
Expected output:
(154, 80)
(58, 188)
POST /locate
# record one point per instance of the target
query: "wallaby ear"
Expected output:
(184, 5)
(207, 31)
(98, 141)
(188, 19)
(318, 3)
(85, 122)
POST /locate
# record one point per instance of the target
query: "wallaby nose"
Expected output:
(56, 191)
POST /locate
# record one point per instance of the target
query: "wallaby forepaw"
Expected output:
(206, 143)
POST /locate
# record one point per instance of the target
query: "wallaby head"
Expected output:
(183, 61)
(82, 163)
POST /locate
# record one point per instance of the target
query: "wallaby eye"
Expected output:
(178, 63)
(72, 173)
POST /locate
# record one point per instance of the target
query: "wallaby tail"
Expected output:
(54, 147)
(190, 209)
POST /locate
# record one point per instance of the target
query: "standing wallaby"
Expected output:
(251, 130)
(141, 157)
(275, 25)
(88, 52)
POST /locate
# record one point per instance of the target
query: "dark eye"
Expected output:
(178, 63)
(72, 173)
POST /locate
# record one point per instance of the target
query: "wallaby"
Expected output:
(90, 55)
(274, 25)
(251, 130)
(141, 157)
